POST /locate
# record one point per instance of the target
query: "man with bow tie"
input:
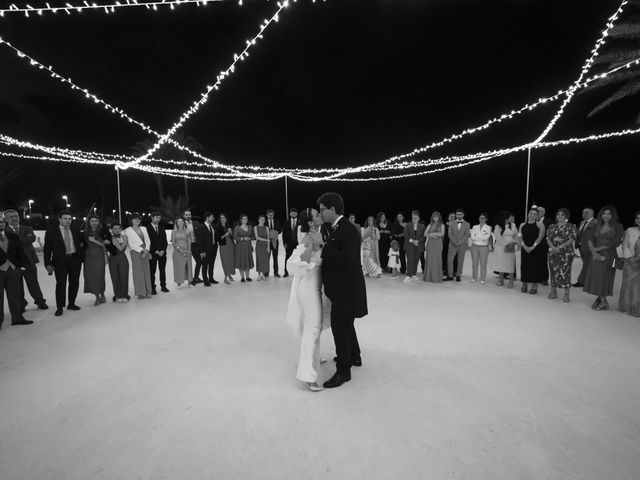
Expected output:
(290, 236)
(459, 232)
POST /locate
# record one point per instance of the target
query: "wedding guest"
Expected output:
(208, 248)
(242, 235)
(63, 254)
(459, 231)
(630, 290)
(290, 236)
(12, 261)
(370, 256)
(397, 234)
(158, 249)
(138, 240)
(422, 256)
(532, 268)
(434, 234)
(582, 245)
(94, 260)
(451, 217)
(116, 245)
(603, 242)
(560, 239)
(30, 273)
(192, 227)
(263, 244)
(384, 227)
(480, 238)
(224, 234)
(504, 234)
(545, 248)
(275, 228)
(181, 257)
(352, 219)
(394, 259)
(413, 245)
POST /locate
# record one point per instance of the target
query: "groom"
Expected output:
(343, 284)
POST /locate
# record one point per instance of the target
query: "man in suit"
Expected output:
(459, 232)
(30, 273)
(343, 284)
(451, 217)
(275, 228)
(414, 241)
(290, 236)
(158, 250)
(64, 248)
(208, 248)
(192, 227)
(545, 247)
(12, 262)
(582, 245)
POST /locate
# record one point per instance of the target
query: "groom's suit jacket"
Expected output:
(342, 271)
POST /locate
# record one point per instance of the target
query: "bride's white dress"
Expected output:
(305, 313)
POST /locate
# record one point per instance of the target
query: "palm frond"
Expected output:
(618, 56)
(625, 31)
(617, 77)
(627, 90)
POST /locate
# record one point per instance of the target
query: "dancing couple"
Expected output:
(327, 256)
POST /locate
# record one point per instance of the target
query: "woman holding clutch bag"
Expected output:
(561, 237)
(603, 242)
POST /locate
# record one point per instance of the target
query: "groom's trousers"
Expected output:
(345, 338)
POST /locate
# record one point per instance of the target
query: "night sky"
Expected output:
(339, 83)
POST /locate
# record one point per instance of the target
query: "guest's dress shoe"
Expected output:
(164, 290)
(266, 274)
(337, 380)
(249, 280)
(207, 284)
(447, 279)
(194, 283)
(214, 282)
(59, 312)
(457, 279)
(43, 306)
(578, 285)
(286, 274)
(277, 275)
(22, 321)
(73, 307)
(153, 291)
(356, 363)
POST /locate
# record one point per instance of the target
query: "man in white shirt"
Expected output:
(582, 245)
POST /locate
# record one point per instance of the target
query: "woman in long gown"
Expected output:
(434, 233)
(224, 235)
(603, 241)
(370, 254)
(242, 235)
(504, 234)
(630, 290)
(306, 314)
(533, 260)
(397, 234)
(139, 244)
(95, 260)
(561, 238)
(384, 227)
(181, 241)
(261, 234)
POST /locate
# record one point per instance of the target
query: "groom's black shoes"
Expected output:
(354, 363)
(337, 380)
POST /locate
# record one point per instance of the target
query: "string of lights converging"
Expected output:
(202, 167)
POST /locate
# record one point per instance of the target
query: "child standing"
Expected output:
(394, 259)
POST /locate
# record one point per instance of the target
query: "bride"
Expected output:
(305, 313)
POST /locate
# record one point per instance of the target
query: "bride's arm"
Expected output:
(298, 262)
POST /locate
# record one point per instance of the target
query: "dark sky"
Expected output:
(339, 83)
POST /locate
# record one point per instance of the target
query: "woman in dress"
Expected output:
(95, 260)
(504, 234)
(630, 290)
(533, 260)
(224, 236)
(384, 227)
(603, 240)
(116, 245)
(480, 237)
(181, 241)
(561, 237)
(370, 256)
(242, 235)
(261, 234)
(397, 234)
(139, 244)
(434, 234)
(306, 314)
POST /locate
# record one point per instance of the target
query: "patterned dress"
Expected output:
(560, 263)
(630, 290)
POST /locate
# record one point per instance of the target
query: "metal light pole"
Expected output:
(31, 202)
(119, 197)
(526, 203)
(286, 194)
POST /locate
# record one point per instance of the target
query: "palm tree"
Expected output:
(142, 147)
(172, 209)
(625, 38)
(9, 174)
(187, 141)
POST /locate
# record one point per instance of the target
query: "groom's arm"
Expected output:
(341, 253)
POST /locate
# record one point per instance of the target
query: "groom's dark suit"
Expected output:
(344, 285)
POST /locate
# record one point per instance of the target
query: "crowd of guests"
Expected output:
(548, 248)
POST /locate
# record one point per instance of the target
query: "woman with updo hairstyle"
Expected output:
(561, 237)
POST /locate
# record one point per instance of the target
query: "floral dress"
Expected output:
(560, 262)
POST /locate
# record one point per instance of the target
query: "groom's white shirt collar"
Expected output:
(337, 220)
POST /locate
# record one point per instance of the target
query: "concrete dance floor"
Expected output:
(460, 381)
